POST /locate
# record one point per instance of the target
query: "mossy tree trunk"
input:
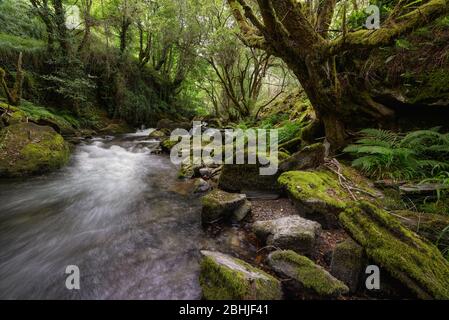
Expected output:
(43, 10)
(287, 30)
(61, 28)
(13, 95)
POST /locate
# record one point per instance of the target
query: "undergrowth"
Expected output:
(417, 155)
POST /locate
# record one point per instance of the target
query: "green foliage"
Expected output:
(271, 121)
(385, 154)
(289, 131)
(70, 81)
(17, 19)
(404, 44)
(63, 118)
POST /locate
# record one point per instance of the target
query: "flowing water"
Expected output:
(111, 213)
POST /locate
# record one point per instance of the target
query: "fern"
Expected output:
(386, 154)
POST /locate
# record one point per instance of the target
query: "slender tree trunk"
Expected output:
(61, 27)
(14, 96)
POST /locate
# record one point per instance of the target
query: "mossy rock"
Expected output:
(220, 205)
(412, 260)
(310, 157)
(223, 277)
(167, 145)
(305, 275)
(157, 134)
(13, 115)
(28, 112)
(27, 149)
(348, 262)
(317, 195)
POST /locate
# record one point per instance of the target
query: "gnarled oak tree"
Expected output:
(298, 34)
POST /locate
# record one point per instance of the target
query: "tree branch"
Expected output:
(250, 35)
(384, 36)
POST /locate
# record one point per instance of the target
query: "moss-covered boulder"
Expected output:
(223, 277)
(305, 275)
(167, 145)
(219, 205)
(26, 149)
(317, 195)
(157, 134)
(310, 157)
(348, 262)
(407, 257)
(291, 232)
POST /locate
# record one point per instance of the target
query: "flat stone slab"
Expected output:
(293, 232)
(348, 260)
(223, 277)
(422, 189)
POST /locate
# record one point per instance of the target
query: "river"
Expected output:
(110, 213)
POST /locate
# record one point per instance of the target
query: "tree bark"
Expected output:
(14, 96)
(286, 31)
(61, 28)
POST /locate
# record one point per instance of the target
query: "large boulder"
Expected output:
(317, 195)
(291, 232)
(310, 157)
(305, 275)
(27, 149)
(220, 205)
(348, 262)
(223, 277)
(410, 259)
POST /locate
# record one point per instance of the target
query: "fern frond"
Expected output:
(375, 142)
(421, 138)
(378, 134)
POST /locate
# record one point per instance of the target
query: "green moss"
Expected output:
(30, 149)
(116, 129)
(48, 155)
(20, 43)
(320, 185)
(283, 156)
(168, 144)
(63, 121)
(440, 207)
(221, 283)
(415, 262)
(432, 86)
(430, 226)
(310, 276)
